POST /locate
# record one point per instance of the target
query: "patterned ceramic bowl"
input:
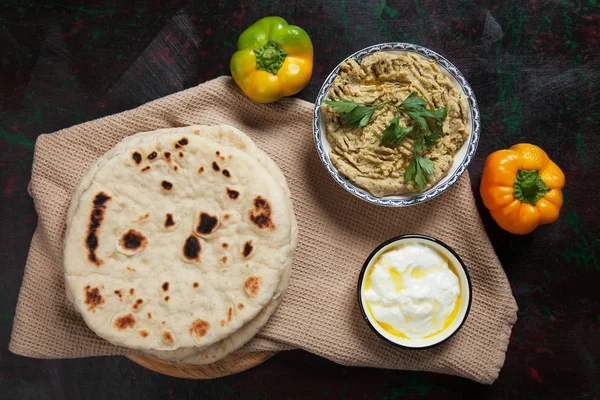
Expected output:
(461, 159)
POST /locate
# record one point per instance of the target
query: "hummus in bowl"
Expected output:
(387, 74)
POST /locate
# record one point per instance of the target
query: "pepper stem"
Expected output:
(529, 186)
(270, 57)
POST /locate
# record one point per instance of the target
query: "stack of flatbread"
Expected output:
(180, 242)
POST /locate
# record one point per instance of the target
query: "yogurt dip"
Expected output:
(412, 290)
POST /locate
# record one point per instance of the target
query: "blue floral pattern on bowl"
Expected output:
(399, 201)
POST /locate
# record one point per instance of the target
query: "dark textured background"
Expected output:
(534, 67)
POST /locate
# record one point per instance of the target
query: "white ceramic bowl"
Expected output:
(463, 279)
(461, 159)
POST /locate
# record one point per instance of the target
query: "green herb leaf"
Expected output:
(425, 164)
(413, 101)
(414, 107)
(433, 137)
(410, 171)
(416, 116)
(341, 105)
(420, 179)
(395, 133)
(417, 169)
(354, 114)
(439, 115)
(360, 115)
(390, 133)
(418, 146)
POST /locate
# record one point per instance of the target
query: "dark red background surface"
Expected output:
(535, 70)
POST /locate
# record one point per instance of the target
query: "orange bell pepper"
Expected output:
(522, 188)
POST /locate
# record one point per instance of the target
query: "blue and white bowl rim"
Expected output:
(437, 189)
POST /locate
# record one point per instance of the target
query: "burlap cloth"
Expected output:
(337, 231)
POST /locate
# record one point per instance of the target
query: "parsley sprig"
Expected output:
(425, 130)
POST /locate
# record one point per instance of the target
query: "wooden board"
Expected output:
(232, 364)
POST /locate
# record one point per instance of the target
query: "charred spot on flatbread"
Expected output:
(175, 167)
(125, 322)
(224, 259)
(165, 286)
(192, 248)
(226, 173)
(131, 291)
(215, 166)
(120, 294)
(149, 315)
(199, 328)
(240, 306)
(247, 249)
(152, 155)
(128, 268)
(230, 313)
(167, 337)
(93, 298)
(261, 214)
(166, 185)
(207, 224)
(137, 157)
(167, 298)
(182, 142)
(252, 285)
(232, 194)
(167, 154)
(225, 245)
(96, 218)
(169, 221)
(144, 334)
(146, 168)
(137, 304)
(181, 154)
(200, 170)
(133, 240)
(100, 199)
(195, 284)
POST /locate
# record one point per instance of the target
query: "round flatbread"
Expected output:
(176, 242)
